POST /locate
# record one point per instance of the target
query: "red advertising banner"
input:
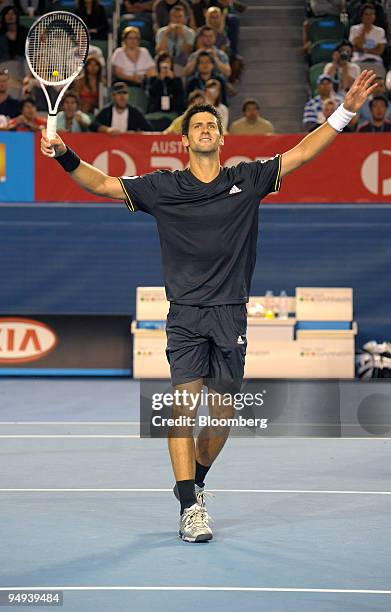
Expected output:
(355, 168)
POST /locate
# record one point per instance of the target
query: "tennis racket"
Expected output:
(56, 52)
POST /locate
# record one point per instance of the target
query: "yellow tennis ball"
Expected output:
(55, 73)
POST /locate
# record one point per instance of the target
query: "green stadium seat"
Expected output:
(139, 98)
(148, 45)
(314, 72)
(102, 44)
(27, 21)
(326, 28)
(322, 50)
(160, 120)
(143, 22)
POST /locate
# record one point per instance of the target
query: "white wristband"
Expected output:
(340, 118)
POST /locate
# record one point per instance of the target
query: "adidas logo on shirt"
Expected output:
(234, 189)
(240, 340)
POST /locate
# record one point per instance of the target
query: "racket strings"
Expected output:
(57, 47)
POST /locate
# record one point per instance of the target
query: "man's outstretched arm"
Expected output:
(316, 141)
(85, 175)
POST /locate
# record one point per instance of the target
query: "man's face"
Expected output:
(325, 87)
(368, 16)
(70, 106)
(251, 112)
(378, 110)
(205, 65)
(121, 99)
(204, 135)
(29, 111)
(3, 83)
(177, 17)
(214, 19)
(208, 39)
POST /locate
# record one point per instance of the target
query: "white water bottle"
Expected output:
(283, 306)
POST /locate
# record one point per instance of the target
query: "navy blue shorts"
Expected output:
(207, 342)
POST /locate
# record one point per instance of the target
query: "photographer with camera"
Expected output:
(176, 38)
(166, 94)
(341, 69)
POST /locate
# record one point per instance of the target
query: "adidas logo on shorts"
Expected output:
(240, 340)
(234, 189)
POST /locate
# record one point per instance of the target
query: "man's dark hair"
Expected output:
(29, 100)
(204, 54)
(201, 108)
(365, 7)
(71, 94)
(344, 43)
(249, 101)
(203, 29)
(382, 98)
(196, 93)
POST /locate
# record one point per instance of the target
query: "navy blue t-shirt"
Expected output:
(208, 231)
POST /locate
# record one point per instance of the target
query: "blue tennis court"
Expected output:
(87, 508)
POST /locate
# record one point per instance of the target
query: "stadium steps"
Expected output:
(275, 72)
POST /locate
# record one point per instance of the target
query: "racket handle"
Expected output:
(51, 127)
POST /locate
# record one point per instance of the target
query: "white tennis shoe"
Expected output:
(194, 526)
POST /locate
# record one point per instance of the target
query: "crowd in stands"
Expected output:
(167, 55)
(340, 39)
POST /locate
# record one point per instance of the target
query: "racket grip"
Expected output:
(51, 127)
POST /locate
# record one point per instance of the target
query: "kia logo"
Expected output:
(102, 162)
(23, 340)
(371, 174)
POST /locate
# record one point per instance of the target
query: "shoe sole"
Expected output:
(198, 540)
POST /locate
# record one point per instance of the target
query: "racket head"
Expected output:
(57, 47)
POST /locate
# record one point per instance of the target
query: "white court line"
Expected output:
(137, 436)
(154, 490)
(197, 588)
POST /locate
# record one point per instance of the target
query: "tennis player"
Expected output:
(207, 219)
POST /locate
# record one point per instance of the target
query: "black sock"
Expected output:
(186, 493)
(201, 472)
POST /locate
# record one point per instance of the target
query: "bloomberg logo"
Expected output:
(23, 340)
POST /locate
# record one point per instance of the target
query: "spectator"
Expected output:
(176, 38)
(321, 8)
(28, 120)
(341, 69)
(3, 123)
(94, 16)
(166, 90)
(232, 21)
(88, 85)
(313, 110)
(214, 19)
(137, 6)
(196, 97)
(251, 123)
(8, 105)
(329, 106)
(205, 70)
(213, 96)
(132, 63)
(161, 11)
(378, 123)
(206, 42)
(365, 111)
(367, 39)
(12, 35)
(30, 7)
(120, 116)
(70, 118)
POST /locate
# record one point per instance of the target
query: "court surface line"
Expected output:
(198, 588)
(155, 490)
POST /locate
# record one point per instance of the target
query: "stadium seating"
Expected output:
(326, 28)
(138, 97)
(314, 72)
(142, 22)
(321, 51)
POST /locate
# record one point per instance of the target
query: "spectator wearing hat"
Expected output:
(251, 123)
(313, 110)
(120, 117)
(378, 122)
(341, 69)
(9, 107)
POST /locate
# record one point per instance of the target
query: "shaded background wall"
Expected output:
(90, 258)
